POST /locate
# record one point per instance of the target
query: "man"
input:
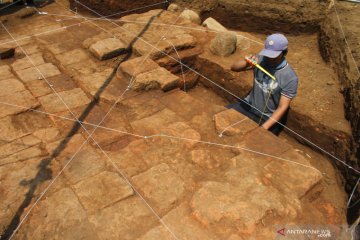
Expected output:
(269, 100)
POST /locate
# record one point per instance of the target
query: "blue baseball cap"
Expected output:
(274, 45)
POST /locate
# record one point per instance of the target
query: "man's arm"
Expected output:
(243, 65)
(279, 112)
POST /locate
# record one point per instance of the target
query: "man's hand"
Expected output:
(242, 65)
(279, 112)
(251, 60)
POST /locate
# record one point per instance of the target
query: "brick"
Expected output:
(47, 135)
(183, 41)
(96, 82)
(159, 78)
(217, 202)
(10, 86)
(142, 105)
(263, 141)
(161, 186)
(231, 122)
(62, 208)
(23, 63)
(293, 177)
(86, 163)
(5, 72)
(73, 98)
(10, 131)
(26, 154)
(136, 66)
(36, 73)
(120, 220)
(58, 83)
(108, 48)
(152, 124)
(23, 99)
(204, 159)
(73, 56)
(188, 229)
(98, 192)
(130, 163)
(183, 104)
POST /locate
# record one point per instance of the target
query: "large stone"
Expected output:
(102, 190)
(38, 73)
(136, 66)
(6, 52)
(244, 205)
(108, 48)
(10, 86)
(54, 103)
(224, 44)
(23, 63)
(231, 122)
(126, 219)
(159, 78)
(73, 56)
(295, 175)
(19, 102)
(191, 15)
(161, 186)
(5, 72)
(214, 25)
(173, 7)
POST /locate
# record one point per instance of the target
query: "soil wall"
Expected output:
(257, 15)
(119, 8)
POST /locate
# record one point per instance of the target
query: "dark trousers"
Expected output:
(246, 110)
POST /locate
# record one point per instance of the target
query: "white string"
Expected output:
(352, 193)
(182, 70)
(125, 21)
(242, 120)
(159, 135)
(237, 97)
(115, 166)
(9, 5)
(181, 65)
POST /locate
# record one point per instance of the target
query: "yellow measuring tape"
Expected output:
(253, 62)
